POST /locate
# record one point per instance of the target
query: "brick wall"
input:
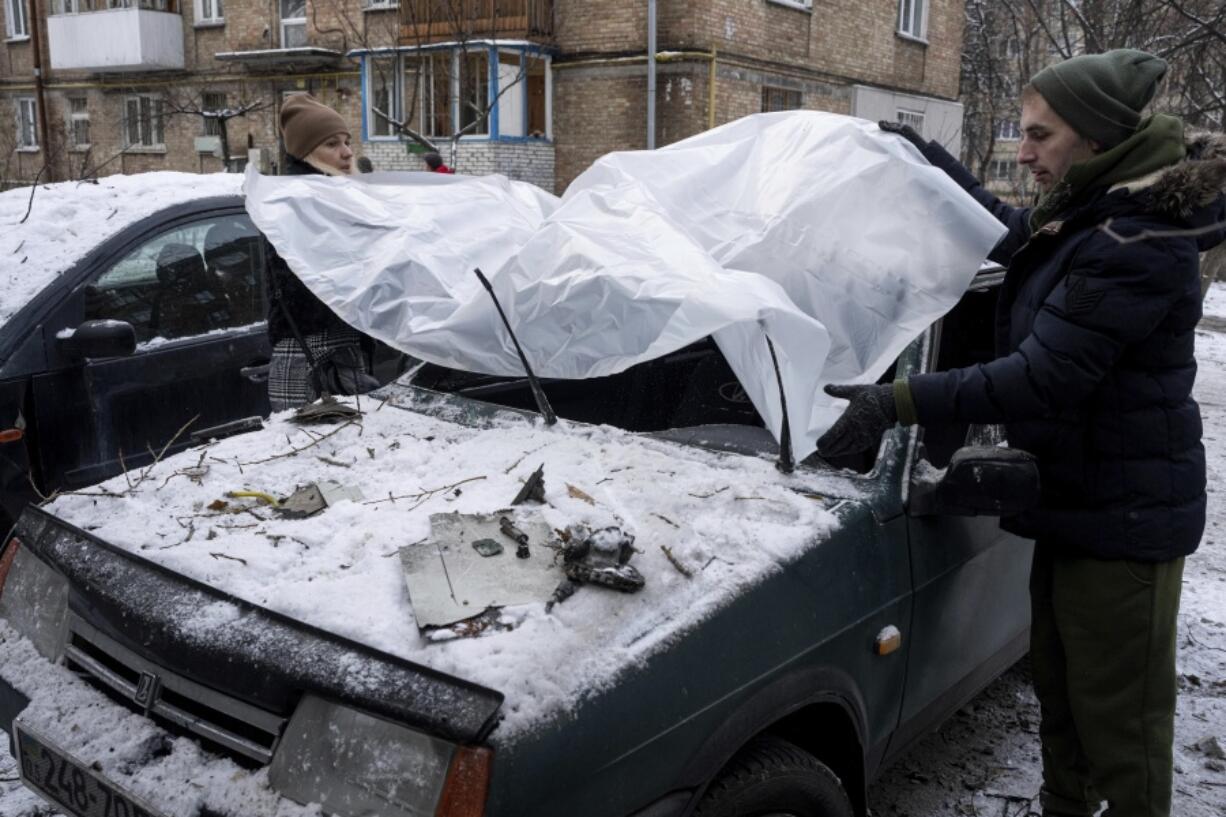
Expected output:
(522, 161)
(599, 102)
(848, 39)
(615, 26)
(597, 109)
(601, 108)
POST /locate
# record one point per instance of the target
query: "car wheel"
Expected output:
(773, 778)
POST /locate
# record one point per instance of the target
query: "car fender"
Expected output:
(770, 707)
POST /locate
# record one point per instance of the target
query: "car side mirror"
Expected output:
(980, 481)
(100, 338)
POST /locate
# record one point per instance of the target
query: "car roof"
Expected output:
(44, 231)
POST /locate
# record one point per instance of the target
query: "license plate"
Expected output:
(70, 785)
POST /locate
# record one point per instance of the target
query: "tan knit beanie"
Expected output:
(306, 122)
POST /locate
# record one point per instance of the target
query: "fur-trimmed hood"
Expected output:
(1193, 183)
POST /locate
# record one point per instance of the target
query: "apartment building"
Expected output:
(535, 89)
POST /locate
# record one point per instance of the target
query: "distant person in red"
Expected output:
(435, 163)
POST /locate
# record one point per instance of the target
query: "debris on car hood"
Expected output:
(601, 557)
(729, 520)
(313, 497)
(462, 571)
(449, 580)
(326, 409)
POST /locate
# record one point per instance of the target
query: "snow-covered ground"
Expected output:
(984, 761)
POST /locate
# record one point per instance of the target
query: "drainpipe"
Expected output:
(711, 91)
(40, 102)
(651, 74)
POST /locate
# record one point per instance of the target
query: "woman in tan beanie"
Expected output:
(314, 351)
(316, 135)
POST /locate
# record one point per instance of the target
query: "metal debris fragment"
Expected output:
(304, 502)
(534, 488)
(601, 557)
(508, 529)
(487, 547)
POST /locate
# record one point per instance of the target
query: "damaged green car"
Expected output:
(173, 644)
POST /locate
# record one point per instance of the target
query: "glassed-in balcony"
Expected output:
(115, 35)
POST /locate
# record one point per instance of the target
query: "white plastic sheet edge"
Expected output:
(837, 241)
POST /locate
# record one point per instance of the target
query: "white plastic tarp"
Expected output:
(837, 241)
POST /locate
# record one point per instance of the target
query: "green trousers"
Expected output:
(1102, 650)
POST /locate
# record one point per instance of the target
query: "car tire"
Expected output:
(771, 777)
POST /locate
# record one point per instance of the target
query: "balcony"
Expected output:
(431, 21)
(117, 39)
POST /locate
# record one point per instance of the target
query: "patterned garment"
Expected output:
(289, 375)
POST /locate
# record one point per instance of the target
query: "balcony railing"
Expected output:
(427, 21)
(131, 38)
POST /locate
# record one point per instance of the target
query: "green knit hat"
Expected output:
(1102, 95)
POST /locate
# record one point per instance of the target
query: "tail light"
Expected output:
(468, 783)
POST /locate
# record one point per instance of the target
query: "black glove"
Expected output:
(872, 412)
(905, 131)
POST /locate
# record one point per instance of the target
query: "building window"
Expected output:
(383, 96)
(293, 23)
(522, 95)
(210, 11)
(212, 102)
(779, 99)
(474, 93)
(913, 118)
(453, 92)
(380, 4)
(1008, 130)
(427, 93)
(1000, 170)
(16, 24)
(143, 121)
(78, 122)
(913, 18)
(27, 131)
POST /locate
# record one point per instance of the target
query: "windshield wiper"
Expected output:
(538, 394)
(786, 463)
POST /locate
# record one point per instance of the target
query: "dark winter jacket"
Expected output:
(310, 314)
(1096, 365)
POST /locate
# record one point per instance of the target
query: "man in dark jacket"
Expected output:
(1095, 328)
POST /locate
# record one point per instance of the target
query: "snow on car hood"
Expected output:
(729, 520)
(68, 219)
(837, 242)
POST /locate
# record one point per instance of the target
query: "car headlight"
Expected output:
(33, 599)
(354, 764)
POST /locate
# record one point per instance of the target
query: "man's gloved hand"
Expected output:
(905, 131)
(872, 412)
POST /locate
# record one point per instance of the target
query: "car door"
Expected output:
(192, 289)
(971, 610)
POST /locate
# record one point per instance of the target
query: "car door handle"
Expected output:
(256, 373)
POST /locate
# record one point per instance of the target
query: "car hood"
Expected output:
(707, 526)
